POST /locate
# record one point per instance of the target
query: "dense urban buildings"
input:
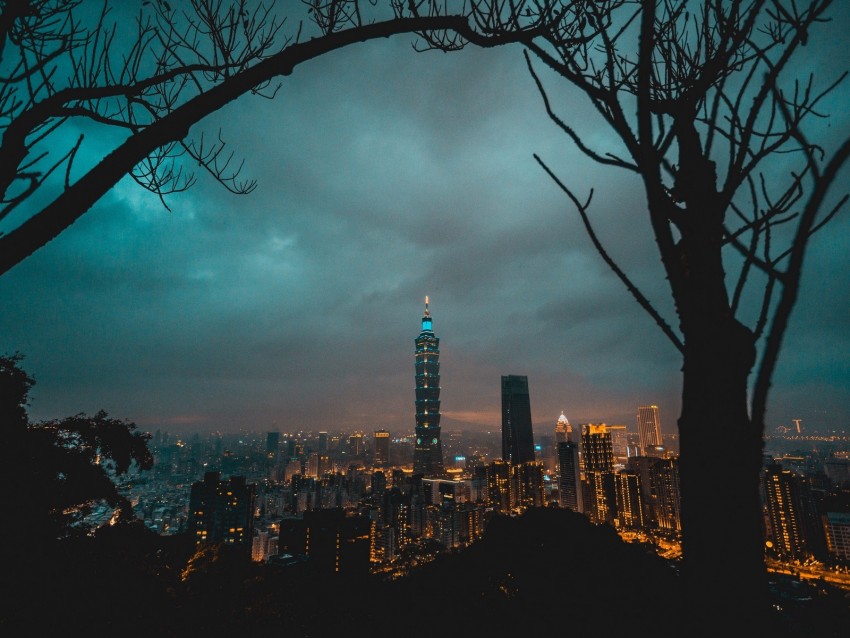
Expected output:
(428, 453)
(387, 515)
(363, 501)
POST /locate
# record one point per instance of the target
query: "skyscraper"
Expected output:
(598, 455)
(785, 530)
(428, 451)
(382, 448)
(272, 444)
(649, 429)
(517, 437)
(569, 477)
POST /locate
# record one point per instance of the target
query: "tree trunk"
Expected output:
(723, 568)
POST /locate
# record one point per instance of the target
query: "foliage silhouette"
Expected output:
(152, 76)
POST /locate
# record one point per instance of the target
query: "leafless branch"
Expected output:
(633, 290)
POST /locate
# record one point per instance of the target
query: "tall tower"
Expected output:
(649, 429)
(517, 436)
(428, 451)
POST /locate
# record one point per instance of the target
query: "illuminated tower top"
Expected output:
(563, 430)
(426, 318)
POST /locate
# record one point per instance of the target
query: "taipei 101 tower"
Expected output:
(428, 452)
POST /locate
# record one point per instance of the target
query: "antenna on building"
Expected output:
(427, 312)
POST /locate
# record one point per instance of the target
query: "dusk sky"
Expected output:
(385, 175)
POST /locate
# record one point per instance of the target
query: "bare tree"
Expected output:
(699, 95)
(64, 65)
(695, 90)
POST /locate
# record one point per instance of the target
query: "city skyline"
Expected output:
(291, 307)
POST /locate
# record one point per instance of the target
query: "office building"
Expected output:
(500, 494)
(649, 430)
(517, 436)
(837, 529)
(598, 456)
(355, 444)
(569, 477)
(428, 451)
(528, 484)
(664, 484)
(630, 509)
(382, 448)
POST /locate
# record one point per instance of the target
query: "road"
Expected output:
(814, 572)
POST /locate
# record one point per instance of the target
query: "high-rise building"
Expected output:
(598, 454)
(649, 429)
(272, 444)
(569, 477)
(785, 529)
(382, 448)
(355, 444)
(664, 484)
(428, 452)
(222, 511)
(500, 495)
(837, 529)
(631, 513)
(529, 487)
(517, 436)
(597, 447)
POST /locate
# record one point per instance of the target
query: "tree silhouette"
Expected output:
(697, 92)
(703, 99)
(146, 85)
(64, 467)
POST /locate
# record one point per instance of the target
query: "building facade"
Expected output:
(598, 455)
(569, 477)
(517, 435)
(428, 451)
(382, 448)
(222, 511)
(785, 528)
(649, 429)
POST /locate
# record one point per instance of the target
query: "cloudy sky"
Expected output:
(385, 175)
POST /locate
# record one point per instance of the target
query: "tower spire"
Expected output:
(427, 312)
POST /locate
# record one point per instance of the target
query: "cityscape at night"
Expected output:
(399, 499)
(470, 317)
